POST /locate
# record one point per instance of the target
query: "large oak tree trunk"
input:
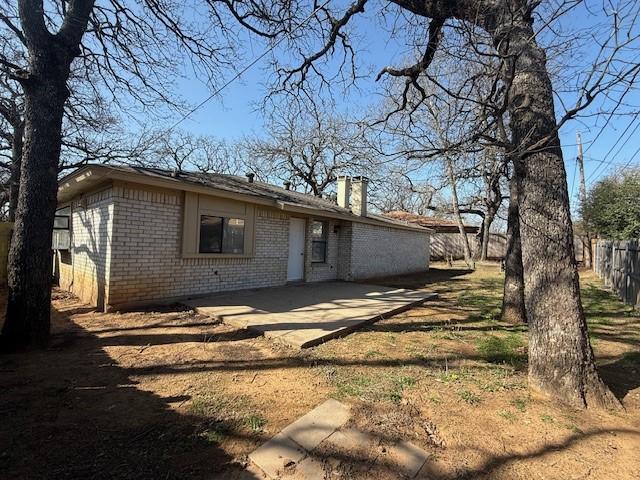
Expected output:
(513, 310)
(30, 259)
(16, 166)
(45, 91)
(561, 360)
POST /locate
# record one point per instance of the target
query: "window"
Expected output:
(61, 232)
(319, 242)
(221, 235)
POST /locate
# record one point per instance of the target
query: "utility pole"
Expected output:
(580, 161)
(586, 237)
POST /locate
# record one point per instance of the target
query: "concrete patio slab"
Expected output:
(308, 314)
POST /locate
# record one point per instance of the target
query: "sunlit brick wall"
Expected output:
(381, 251)
(147, 264)
(85, 271)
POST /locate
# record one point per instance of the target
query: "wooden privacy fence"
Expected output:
(618, 264)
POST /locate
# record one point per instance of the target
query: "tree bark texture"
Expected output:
(561, 360)
(513, 310)
(30, 259)
(27, 320)
(16, 165)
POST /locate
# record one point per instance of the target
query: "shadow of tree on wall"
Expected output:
(88, 250)
(71, 412)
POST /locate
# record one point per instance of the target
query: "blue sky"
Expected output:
(233, 113)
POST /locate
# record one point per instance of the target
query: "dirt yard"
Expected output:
(171, 394)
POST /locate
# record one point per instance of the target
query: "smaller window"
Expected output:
(221, 235)
(61, 239)
(61, 222)
(319, 242)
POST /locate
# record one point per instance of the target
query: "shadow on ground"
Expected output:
(70, 412)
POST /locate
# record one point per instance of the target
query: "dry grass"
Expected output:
(170, 394)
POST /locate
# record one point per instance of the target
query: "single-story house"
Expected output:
(128, 236)
(445, 238)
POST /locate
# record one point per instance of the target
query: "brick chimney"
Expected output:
(359, 195)
(344, 191)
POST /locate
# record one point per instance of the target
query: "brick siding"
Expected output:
(147, 263)
(381, 251)
(127, 249)
(85, 271)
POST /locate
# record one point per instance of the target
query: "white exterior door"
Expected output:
(295, 266)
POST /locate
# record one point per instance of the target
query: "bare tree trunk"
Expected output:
(486, 235)
(30, 259)
(513, 309)
(45, 91)
(468, 257)
(587, 252)
(561, 360)
(16, 165)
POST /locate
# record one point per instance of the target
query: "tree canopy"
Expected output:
(612, 206)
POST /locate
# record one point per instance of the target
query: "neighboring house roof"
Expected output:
(438, 225)
(222, 185)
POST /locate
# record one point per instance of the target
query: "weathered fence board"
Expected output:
(618, 264)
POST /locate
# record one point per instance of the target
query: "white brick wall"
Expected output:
(381, 251)
(147, 264)
(86, 272)
(126, 249)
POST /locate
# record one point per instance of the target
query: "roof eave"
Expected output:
(90, 176)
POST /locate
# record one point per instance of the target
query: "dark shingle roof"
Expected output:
(435, 223)
(240, 185)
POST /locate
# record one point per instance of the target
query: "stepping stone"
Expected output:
(351, 439)
(311, 469)
(408, 457)
(276, 454)
(308, 431)
(291, 445)
(292, 453)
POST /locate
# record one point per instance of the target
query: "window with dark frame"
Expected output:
(319, 242)
(61, 239)
(221, 235)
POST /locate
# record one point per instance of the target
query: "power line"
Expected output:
(635, 117)
(625, 166)
(573, 179)
(247, 67)
(612, 163)
(603, 161)
(628, 164)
